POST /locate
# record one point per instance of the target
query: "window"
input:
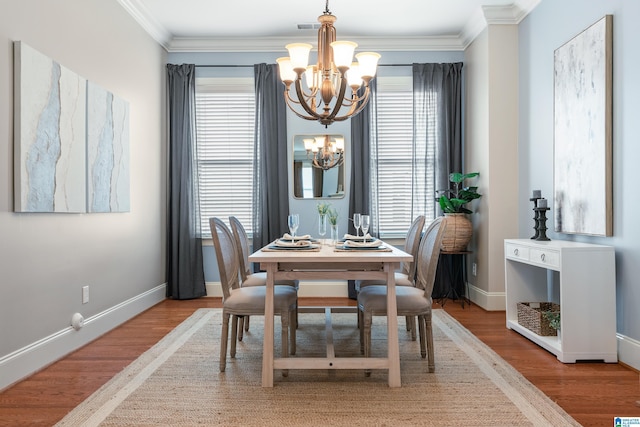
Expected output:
(405, 188)
(225, 117)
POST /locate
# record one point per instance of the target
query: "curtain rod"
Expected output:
(250, 66)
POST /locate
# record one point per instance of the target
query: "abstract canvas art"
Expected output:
(107, 151)
(49, 132)
(583, 132)
(71, 140)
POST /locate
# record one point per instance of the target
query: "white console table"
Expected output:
(578, 276)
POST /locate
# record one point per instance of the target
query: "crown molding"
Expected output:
(277, 44)
(486, 15)
(495, 15)
(142, 16)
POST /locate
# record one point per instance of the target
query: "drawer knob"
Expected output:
(516, 252)
(542, 257)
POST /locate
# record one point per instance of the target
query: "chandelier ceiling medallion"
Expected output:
(324, 96)
(325, 152)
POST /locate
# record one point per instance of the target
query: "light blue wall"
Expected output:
(550, 25)
(305, 208)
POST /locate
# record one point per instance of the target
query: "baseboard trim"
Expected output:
(629, 351)
(490, 301)
(40, 354)
(308, 288)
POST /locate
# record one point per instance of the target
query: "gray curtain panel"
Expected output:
(271, 167)
(185, 273)
(364, 154)
(438, 86)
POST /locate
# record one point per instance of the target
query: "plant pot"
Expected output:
(458, 233)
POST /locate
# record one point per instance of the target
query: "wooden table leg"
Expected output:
(392, 328)
(267, 345)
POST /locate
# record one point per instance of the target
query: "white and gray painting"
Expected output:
(107, 151)
(71, 140)
(50, 134)
(580, 145)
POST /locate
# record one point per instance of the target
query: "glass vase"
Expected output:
(322, 225)
(334, 234)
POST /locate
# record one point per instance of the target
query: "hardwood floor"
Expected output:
(593, 393)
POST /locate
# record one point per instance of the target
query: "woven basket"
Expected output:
(458, 233)
(530, 315)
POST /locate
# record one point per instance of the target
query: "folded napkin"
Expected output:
(352, 237)
(288, 236)
(293, 244)
(370, 244)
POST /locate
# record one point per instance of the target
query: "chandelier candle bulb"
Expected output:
(368, 62)
(343, 53)
(299, 55)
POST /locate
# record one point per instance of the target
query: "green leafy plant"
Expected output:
(452, 200)
(554, 318)
(324, 208)
(333, 216)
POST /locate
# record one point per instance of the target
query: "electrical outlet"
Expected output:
(85, 294)
(474, 269)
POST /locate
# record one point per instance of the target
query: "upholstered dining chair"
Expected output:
(248, 301)
(247, 278)
(411, 301)
(407, 274)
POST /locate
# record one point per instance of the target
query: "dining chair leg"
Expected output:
(367, 319)
(408, 322)
(423, 337)
(234, 335)
(241, 321)
(284, 338)
(361, 330)
(412, 326)
(223, 341)
(246, 323)
(430, 350)
(292, 331)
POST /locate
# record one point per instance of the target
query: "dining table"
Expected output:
(320, 261)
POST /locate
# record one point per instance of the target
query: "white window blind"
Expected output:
(225, 116)
(405, 188)
(395, 154)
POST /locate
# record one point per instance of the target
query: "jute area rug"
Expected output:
(178, 383)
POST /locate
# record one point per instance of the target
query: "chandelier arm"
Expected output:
(338, 104)
(289, 101)
(362, 101)
(356, 108)
(301, 97)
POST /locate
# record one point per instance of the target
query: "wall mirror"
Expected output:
(318, 166)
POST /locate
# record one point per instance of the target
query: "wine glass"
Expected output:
(365, 226)
(357, 218)
(293, 221)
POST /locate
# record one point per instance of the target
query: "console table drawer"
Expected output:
(545, 257)
(517, 251)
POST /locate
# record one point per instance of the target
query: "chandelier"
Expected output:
(325, 95)
(324, 151)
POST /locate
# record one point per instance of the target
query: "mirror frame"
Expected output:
(334, 176)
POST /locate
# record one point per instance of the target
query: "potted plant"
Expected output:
(452, 202)
(554, 320)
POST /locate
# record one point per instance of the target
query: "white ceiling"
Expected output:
(242, 25)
